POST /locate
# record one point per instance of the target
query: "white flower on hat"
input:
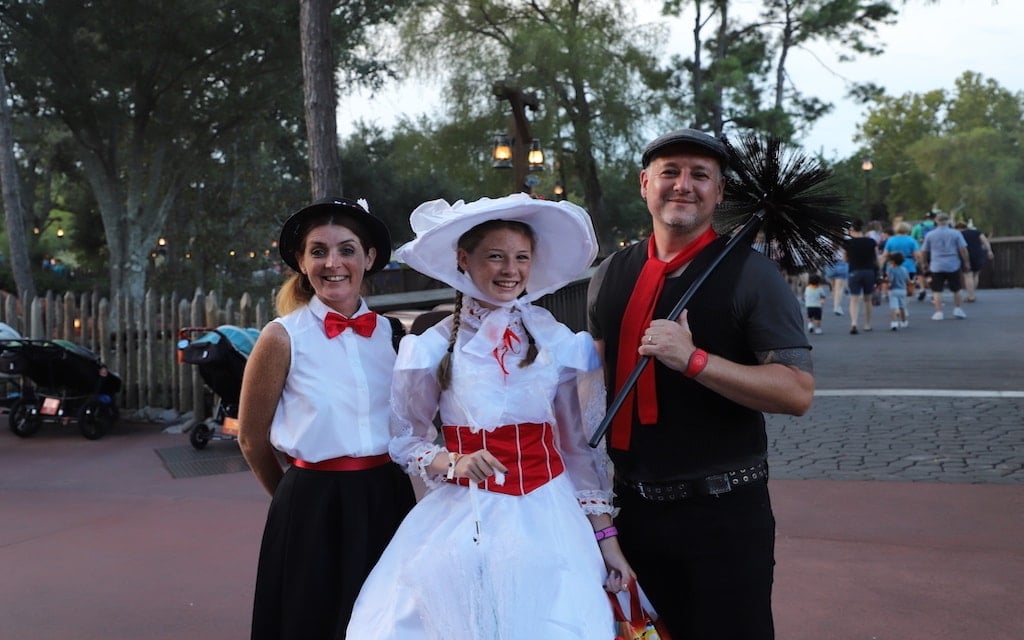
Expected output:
(364, 204)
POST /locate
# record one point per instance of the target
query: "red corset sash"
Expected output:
(527, 449)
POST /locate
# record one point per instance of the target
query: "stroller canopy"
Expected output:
(7, 332)
(241, 339)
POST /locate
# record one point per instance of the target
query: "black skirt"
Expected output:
(325, 531)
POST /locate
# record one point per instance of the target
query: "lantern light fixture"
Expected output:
(535, 158)
(501, 154)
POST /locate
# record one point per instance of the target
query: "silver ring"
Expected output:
(650, 339)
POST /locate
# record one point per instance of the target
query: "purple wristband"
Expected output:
(607, 532)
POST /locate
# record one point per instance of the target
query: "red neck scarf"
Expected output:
(335, 323)
(638, 316)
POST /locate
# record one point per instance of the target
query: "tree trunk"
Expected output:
(14, 216)
(722, 47)
(593, 196)
(697, 75)
(132, 216)
(320, 98)
(581, 117)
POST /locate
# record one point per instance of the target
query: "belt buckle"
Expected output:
(718, 484)
(648, 492)
(644, 493)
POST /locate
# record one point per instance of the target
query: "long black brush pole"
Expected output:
(630, 382)
(789, 197)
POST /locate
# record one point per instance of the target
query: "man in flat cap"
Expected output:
(689, 442)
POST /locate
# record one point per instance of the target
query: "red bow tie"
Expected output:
(364, 325)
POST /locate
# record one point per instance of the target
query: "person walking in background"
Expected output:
(861, 254)
(814, 300)
(918, 232)
(921, 229)
(945, 252)
(903, 242)
(876, 232)
(515, 537)
(316, 388)
(689, 443)
(836, 275)
(898, 278)
(979, 252)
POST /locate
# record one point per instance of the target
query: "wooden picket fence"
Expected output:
(143, 349)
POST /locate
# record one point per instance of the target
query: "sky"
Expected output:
(928, 48)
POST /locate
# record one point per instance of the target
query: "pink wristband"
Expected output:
(607, 532)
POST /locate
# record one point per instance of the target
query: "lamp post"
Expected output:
(521, 152)
(866, 166)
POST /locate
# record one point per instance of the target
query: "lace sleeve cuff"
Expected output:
(596, 502)
(418, 465)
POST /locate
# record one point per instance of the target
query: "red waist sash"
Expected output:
(344, 463)
(527, 449)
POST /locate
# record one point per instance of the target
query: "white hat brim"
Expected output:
(565, 242)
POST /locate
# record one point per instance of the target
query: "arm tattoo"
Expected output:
(799, 358)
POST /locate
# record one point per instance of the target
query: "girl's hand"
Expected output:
(620, 574)
(479, 466)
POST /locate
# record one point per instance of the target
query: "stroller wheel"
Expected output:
(95, 419)
(21, 420)
(199, 436)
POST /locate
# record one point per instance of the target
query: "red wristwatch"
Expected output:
(698, 360)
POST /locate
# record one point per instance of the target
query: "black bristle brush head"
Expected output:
(802, 223)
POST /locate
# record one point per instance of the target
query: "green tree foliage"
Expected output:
(417, 162)
(590, 66)
(736, 78)
(959, 151)
(147, 93)
(14, 215)
(892, 126)
(48, 181)
(221, 234)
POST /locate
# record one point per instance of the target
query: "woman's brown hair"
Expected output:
(297, 291)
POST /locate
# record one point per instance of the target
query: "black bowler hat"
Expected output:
(380, 237)
(686, 137)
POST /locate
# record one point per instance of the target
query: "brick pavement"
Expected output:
(945, 439)
(941, 401)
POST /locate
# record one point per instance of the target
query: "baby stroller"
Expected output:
(220, 353)
(61, 383)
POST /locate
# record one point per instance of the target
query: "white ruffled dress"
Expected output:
(476, 564)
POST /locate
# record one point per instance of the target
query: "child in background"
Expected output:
(898, 278)
(814, 299)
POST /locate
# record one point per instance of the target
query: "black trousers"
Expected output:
(706, 563)
(325, 531)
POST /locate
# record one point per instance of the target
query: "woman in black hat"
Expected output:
(316, 388)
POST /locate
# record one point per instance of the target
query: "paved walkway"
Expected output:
(899, 499)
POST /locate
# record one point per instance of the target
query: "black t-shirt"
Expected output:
(861, 253)
(744, 307)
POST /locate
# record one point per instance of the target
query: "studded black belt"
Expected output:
(712, 485)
